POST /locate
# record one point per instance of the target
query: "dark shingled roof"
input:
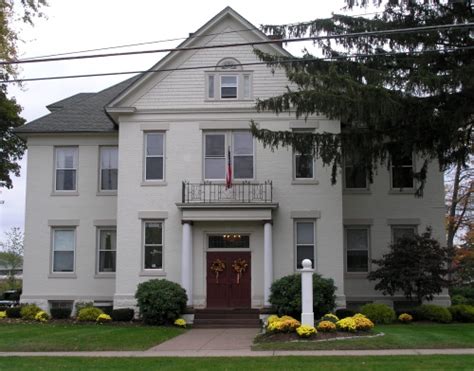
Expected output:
(83, 112)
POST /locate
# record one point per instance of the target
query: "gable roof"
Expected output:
(83, 112)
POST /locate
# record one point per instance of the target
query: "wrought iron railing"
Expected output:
(245, 192)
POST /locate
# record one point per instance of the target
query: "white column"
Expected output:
(187, 261)
(307, 315)
(267, 262)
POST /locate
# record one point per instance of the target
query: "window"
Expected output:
(63, 250)
(243, 155)
(108, 168)
(107, 249)
(229, 85)
(357, 249)
(154, 156)
(229, 241)
(216, 150)
(153, 245)
(66, 168)
(210, 86)
(304, 242)
(304, 166)
(401, 231)
(214, 156)
(246, 86)
(61, 304)
(355, 177)
(402, 171)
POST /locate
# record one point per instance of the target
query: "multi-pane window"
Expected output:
(229, 241)
(243, 155)
(154, 156)
(402, 171)
(401, 231)
(304, 242)
(357, 249)
(355, 176)
(107, 249)
(108, 168)
(63, 250)
(229, 85)
(214, 156)
(304, 166)
(153, 245)
(66, 168)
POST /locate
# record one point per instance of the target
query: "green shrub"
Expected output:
(83, 304)
(60, 313)
(285, 295)
(378, 313)
(459, 299)
(123, 314)
(462, 312)
(89, 314)
(160, 301)
(29, 311)
(467, 291)
(14, 312)
(431, 312)
(3, 308)
(344, 313)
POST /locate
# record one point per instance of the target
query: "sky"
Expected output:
(75, 25)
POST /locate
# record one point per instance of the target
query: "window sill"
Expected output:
(65, 193)
(153, 183)
(106, 193)
(304, 181)
(62, 275)
(355, 191)
(148, 273)
(105, 275)
(408, 191)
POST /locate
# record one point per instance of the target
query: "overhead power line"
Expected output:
(286, 61)
(253, 43)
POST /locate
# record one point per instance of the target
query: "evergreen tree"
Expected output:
(395, 93)
(12, 147)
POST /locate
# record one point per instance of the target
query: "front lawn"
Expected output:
(416, 335)
(32, 337)
(455, 362)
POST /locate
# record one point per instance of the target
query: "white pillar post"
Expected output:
(187, 261)
(307, 315)
(267, 262)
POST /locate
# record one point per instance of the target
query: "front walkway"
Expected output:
(229, 343)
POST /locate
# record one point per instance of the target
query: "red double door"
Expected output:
(226, 288)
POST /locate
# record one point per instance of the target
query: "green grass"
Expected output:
(396, 337)
(22, 337)
(456, 362)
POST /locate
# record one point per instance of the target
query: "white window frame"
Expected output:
(346, 244)
(393, 168)
(221, 85)
(144, 245)
(99, 250)
(56, 169)
(145, 156)
(100, 170)
(295, 241)
(53, 249)
(296, 154)
(352, 189)
(414, 227)
(223, 133)
(233, 155)
(229, 67)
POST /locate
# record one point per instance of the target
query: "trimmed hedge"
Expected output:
(285, 295)
(14, 312)
(378, 313)
(29, 311)
(123, 314)
(160, 301)
(344, 313)
(60, 313)
(431, 312)
(89, 314)
(462, 312)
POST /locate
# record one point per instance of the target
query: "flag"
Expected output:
(228, 175)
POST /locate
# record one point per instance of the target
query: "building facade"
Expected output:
(129, 184)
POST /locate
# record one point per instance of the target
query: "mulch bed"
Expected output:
(272, 337)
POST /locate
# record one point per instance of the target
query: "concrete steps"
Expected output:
(226, 318)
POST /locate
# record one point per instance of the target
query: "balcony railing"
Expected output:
(245, 192)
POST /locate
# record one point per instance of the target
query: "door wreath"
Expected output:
(217, 266)
(240, 266)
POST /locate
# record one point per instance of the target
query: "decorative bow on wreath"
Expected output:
(217, 266)
(240, 265)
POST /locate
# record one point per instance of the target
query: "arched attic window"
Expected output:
(229, 81)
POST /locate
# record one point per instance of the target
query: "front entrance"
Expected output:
(226, 287)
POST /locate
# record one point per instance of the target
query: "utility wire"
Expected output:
(286, 61)
(262, 42)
